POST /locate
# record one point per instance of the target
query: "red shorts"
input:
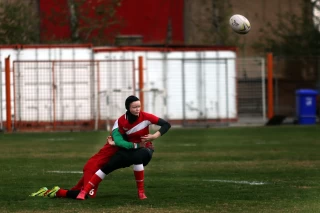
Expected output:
(87, 175)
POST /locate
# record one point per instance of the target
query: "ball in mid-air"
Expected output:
(240, 24)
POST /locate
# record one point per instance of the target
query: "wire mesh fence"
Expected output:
(67, 94)
(189, 91)
(251, 88)
(2, 100)
(290, 75)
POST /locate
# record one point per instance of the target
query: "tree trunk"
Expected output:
(74, 22)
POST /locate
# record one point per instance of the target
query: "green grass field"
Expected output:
(253, 169)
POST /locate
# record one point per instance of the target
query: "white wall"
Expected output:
(207, 91)
(210, 86)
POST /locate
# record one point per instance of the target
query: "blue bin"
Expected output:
(306, 106)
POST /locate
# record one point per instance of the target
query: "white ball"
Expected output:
(240, 24)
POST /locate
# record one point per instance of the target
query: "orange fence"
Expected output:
(88, 95)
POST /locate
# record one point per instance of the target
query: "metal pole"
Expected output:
(204, 86)
(263, 78)
(73, 70)
(92, 89)
(141, 82)
(97, 96)
(61, 84)
(183, 91)
(227, 90)
(218, 86)
(54, 94)
(199, 84)
(18, 105)
(165, 77)
(8, 94)
(37, 85)
(107, 114)
(270, 85)
(1, 119)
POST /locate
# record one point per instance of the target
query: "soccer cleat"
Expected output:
(52, 192)
(39, 193)
(81, 195)
(141, 195)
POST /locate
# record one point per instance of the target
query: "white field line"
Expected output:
(238, 182)
(186, 144)
(66, 172)
(61, 139)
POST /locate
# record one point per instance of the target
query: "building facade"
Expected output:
(167, 22)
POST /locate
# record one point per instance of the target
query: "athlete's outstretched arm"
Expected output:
(165, 126)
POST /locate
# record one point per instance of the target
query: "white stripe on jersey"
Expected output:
(138, 127)
(115, 125)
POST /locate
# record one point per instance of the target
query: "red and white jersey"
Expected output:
(137, 129)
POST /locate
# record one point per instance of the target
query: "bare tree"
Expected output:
(19, 23)
(209, 23)
(74, 22)
(294, 34)
(89, 21)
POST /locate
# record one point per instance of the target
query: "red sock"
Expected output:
(61, 193)
(139, 175)
(94, 181)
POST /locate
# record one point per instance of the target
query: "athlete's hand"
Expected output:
(110, 141)
(148, 137)
(143, 140)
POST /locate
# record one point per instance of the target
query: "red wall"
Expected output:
(148, 18)
(54, 24)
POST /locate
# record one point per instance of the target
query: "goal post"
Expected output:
(8, 94)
